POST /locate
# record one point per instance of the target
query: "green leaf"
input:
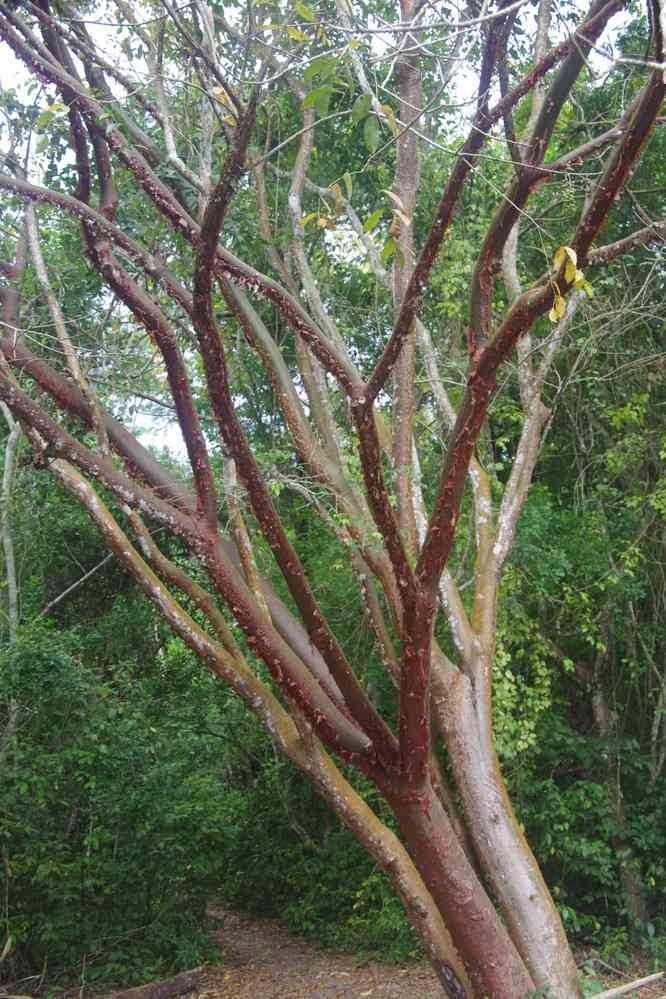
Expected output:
(44, 120)
(306, 12)
(348, 184)
(319, 98)
(323, 67)
(372, 221)
(389, 249)
(391, 118)
(371, 134)
(361, 107)
(296, 34)
(308, 218)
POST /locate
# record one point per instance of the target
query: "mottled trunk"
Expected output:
(405, 187)
(494, 965)
(503, 852)
(390, 854)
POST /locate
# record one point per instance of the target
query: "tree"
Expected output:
(189, 130)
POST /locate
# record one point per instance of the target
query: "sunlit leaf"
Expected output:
(559, 308)
(296, 34)
(44, 120)
(389, 248)
(372, 221)
(391, 118)
(566, 254)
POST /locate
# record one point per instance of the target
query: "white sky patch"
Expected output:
(166, 436)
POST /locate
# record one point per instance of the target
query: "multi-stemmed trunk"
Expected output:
(483, 912)
(501, 849)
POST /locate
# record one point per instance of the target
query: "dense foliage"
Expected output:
(138, 793)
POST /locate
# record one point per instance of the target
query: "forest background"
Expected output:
(135, 788)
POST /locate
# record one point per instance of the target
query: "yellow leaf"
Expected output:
(391, 118)
(395, 199)
(296, 34)
(570, 271)
(337, 191)
(563, 253)
(220, 94)
(308, 218)
(558, 309)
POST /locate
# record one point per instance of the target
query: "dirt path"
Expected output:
(262, 961)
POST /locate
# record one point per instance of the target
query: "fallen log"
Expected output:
(622, 990)
(186, 981)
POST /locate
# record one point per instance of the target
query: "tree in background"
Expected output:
(230, 172)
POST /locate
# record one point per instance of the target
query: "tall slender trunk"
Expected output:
(5, 521)
(10, 564)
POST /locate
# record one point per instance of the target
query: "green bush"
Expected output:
(289, 857)
(563, 800)
(110, 801)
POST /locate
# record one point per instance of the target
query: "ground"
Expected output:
(262, 961)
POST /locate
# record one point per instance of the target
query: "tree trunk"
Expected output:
(494, 965)
(501, 847)
(10, 566)
(5, 521)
